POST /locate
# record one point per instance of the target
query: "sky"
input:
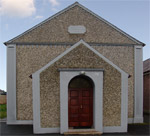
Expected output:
(17, 16)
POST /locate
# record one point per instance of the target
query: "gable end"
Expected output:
(65, 10)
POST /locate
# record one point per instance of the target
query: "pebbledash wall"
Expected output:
(55, 30)
(32, 58)
(80, 57)
(34, 49)
(96, 32)
(80, 49)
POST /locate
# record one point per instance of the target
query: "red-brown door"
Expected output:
(80, 107)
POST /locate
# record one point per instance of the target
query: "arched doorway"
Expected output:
(80, 102)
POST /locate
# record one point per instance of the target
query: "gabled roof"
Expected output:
(69, 7)
(73, 47)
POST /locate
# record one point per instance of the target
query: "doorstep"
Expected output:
(82, 132)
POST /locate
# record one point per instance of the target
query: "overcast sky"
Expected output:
(17, 16)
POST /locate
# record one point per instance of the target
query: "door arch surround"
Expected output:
(80, 102)
(97, 77)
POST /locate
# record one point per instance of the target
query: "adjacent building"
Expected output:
(146, 82)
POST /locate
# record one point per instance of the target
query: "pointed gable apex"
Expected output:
(73, 47)
(65, 10)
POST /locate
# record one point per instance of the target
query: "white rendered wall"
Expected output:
(138, 100)
(11, 84)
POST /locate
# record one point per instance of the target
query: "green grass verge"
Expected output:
(3, 111)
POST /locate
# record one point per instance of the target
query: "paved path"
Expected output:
(24, 130)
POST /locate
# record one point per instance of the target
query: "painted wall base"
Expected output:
(114, 129)
(130, 120)
(20, 122)
(135, 120)
(46, 130)
(138, 120)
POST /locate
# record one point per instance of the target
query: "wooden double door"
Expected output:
(80, 105)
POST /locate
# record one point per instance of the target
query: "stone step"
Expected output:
(83, 133)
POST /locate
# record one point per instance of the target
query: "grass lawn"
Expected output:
(3, 111)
